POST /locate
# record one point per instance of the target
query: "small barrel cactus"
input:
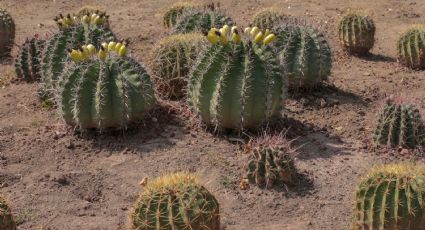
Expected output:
(268, 18)
(174, 12)
(200, 20)
(271, 162)
(411, 48)
(176, 201)
(357, 33)
(399, 124)
(107, 91)
(304, 53)
(6, 218)
(391, 197)
(237, 84)
(73, 31)
(171, 60)
(7, 30)
(27, 63)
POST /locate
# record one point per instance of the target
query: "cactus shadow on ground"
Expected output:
(378, 58)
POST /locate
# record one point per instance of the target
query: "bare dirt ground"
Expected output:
(56, 179)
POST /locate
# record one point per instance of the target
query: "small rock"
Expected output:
(323, 103)
(154, 119)
(61, 179)
(70, 145)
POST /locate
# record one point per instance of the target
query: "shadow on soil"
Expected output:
(378, 58)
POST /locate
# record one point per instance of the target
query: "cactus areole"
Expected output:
(237, 84)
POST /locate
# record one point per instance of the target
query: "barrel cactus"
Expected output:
(268, 18)
(200, 20)
(271, 162)
(411, 47)
(27, 63)
(399, 124)
(237, 83)
(174, 12)
(176, 201)
(73, 31)
(304, 53)
(7, 30)
(105, 91)
(357, 33)
(391, 197)
(171, 60)
(6, 218)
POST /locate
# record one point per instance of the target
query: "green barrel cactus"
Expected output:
(6, 218)
(237, 84)
(71, 34)
(174, 12)
(399, 124)
(108, 91)
(268, 18)
(411, 47)
(171, 61)
(7, 30)
(176, 201)
(270, 164)
(357, 33)
(28, 61)
(304, 53)
(200, 20)
(391, 197)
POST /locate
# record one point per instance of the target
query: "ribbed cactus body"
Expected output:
(399, 125)
(176, 201)
(237, 85)
(391, 197)
(305, 55)
(357, 33)
(6, 218)
(268, 18)
(171, 61)
(174, 12)
(55, 55)
(270, 165)
(411, 48)
(7, 31)
(104, 94)
(198, 20)
(28, 61)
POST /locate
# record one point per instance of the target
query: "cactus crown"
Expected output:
(88, 52)
(7, 30)
(27, 62)
(411, 47)
(399, 124)
(6, 218)
(357, 33)
(96, 18)
(200, 20)
(176, 201)
(391, 197)
(268, 17)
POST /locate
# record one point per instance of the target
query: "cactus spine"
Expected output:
(235, 83)
(411, 47)
(399, 125)
(109, 91)
(174, 12)
(357, 33)
(7, 30)
(391, 197)
(27, 63)
(305, 55)
(267, 18)
(176, 201)
(200, 20)
(171, 60)
(6, 218)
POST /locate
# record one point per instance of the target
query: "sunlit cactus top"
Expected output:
(226, 34)
(89, 51)
(97, 18)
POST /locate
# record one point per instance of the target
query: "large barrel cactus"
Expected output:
(235, 83)
(357, 33)
(268, 18)
(391, 197)
(108, 91)
(200, 20)
(7, 31)
(411, 47)
(304, 53)
(174, 12)
(171, 61)
(176, 201)
(73, 31)
(6, 218)
(27, 63)
(399, 124)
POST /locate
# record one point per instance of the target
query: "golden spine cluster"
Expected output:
(225, 34)
(95, 19)
(85, 52)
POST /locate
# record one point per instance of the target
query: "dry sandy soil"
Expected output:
(58, 179)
